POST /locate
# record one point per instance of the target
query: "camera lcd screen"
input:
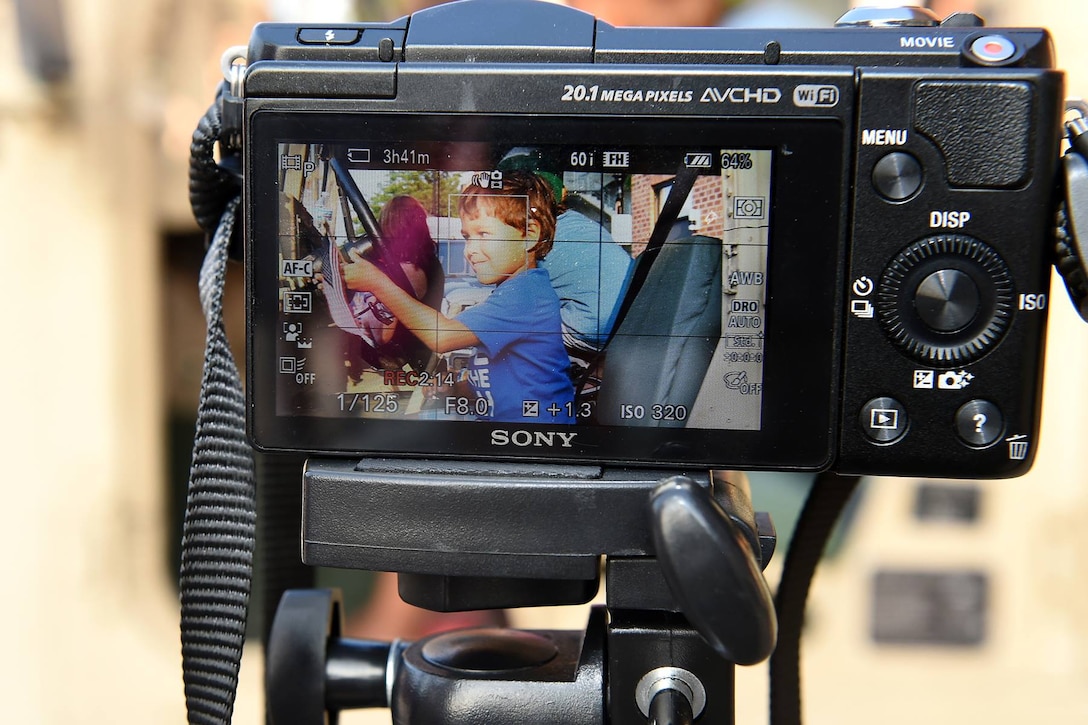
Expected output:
(517, 288)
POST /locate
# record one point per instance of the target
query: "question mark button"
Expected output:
(979, 423)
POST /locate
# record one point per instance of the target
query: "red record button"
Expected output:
(993, 49)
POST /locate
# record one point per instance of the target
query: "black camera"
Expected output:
(496, 232)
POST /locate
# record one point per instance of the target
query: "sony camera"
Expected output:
(504, 230)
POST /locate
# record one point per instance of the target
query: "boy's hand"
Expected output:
(359, 274)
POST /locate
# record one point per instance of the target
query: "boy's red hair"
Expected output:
(523, 196)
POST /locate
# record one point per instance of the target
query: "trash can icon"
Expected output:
(1018, 447)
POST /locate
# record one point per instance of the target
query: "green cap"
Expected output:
(524, 158)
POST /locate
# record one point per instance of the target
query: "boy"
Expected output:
(520, 367)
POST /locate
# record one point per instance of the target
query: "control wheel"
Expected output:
(945, 300)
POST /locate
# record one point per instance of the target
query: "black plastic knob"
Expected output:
(310, 671)
(712, 571)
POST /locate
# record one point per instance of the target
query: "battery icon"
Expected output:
(359, 156)
(698, 161)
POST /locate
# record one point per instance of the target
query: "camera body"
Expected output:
(794, 250)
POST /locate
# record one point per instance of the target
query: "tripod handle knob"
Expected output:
(311, 672)
(712, 572)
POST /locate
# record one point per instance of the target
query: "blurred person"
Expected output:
(708, 13)
(655, 12)
(403, 222)
(386, 616)
(407, 244)
(407, 239)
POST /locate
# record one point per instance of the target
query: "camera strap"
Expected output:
(219, 529)
(1072, 221)
(823, 507)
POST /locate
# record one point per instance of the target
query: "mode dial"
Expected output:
(945, 300)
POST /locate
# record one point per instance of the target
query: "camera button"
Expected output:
(947, 300)
(329, 36)
(897, 176)
(979, 423)
(883, 420)
(993, 49)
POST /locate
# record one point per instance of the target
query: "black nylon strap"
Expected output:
(1069, 237)
(220, 515)
(1072, 218)
(826, 500)
(210, 185)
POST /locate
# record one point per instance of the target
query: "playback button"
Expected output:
(883, 420)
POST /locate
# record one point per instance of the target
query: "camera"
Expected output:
(768, 249)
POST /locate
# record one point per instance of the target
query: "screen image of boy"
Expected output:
(519, 365)
(408, 330)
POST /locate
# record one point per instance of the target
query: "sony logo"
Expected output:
(532, 438)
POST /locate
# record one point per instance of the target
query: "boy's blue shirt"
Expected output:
(521, 365)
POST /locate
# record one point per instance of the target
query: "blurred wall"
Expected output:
(88, 607)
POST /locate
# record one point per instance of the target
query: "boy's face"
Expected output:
(496, 250)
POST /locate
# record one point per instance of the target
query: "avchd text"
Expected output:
(741, 95)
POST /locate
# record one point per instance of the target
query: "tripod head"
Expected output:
(684, 590)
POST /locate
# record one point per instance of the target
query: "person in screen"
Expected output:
(520, 366)
(403, 221)
(409, 245)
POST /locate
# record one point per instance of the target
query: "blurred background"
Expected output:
(942, 601)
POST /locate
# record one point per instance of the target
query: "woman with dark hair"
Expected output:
(407, 244)
(404, 226)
